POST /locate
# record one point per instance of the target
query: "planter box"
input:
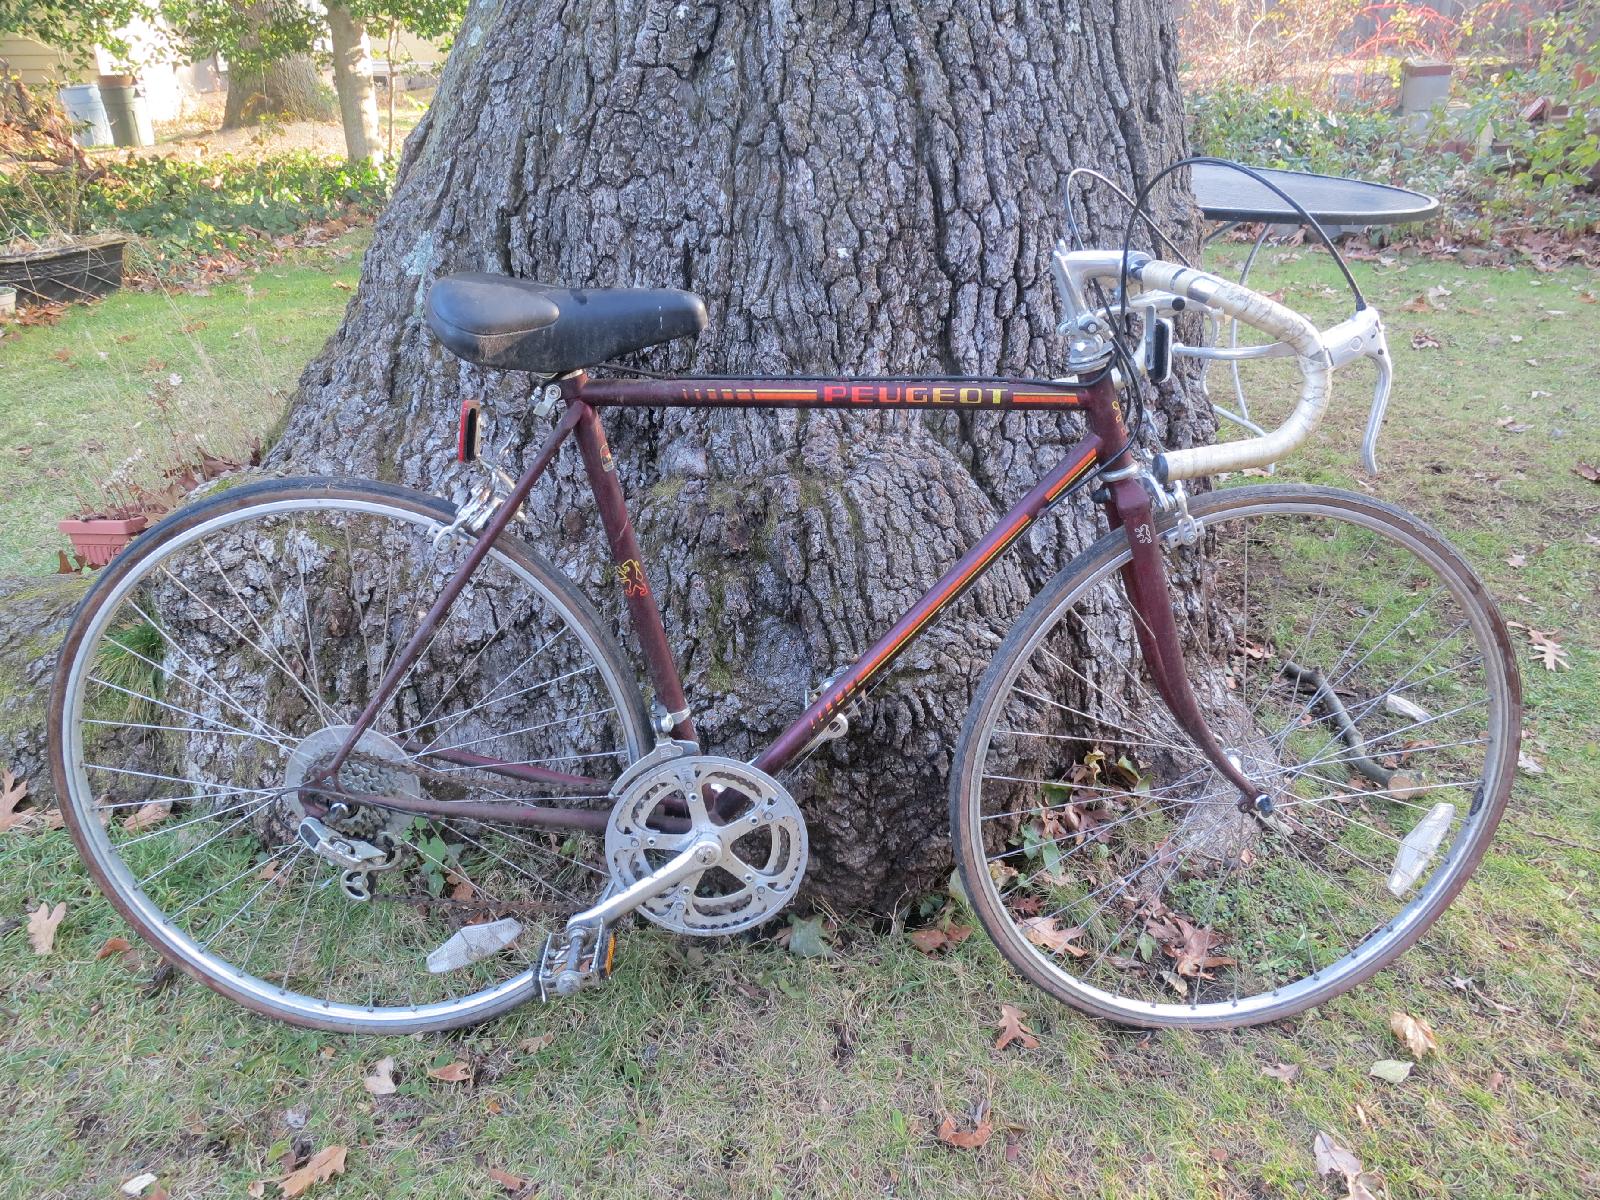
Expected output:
(97, 542)
(81, 271)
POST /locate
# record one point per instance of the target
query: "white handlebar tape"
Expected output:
(1258, 312)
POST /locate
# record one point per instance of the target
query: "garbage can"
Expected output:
(126, 110)
(87, 114)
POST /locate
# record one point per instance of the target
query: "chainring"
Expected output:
(758, 826)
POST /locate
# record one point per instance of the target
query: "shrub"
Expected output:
(183, 211)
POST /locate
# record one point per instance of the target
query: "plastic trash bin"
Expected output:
(87, 113)
(127, 111)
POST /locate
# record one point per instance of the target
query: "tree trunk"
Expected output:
(867, 187)
(288, 87)
(352, 80)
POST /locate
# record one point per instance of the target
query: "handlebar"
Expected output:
(1317, 353)
(1259, 312)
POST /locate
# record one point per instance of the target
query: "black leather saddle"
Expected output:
(519, 325)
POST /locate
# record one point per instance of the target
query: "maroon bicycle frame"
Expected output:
(1106, 447)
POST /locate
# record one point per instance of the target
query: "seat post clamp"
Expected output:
(548, 399)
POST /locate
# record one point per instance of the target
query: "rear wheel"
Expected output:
(217, 665)
(1353, 665)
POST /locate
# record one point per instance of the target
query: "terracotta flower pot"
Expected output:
(97, 541)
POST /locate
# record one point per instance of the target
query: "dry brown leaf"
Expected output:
(1013, 1030)
(13, 791)
(113, 945)
(321, 1167)
(42, 924)
(1415, 1034)
(381, 1081)
(929, 940)
(1046, 933)
(1548, 651)
(965, 1139)
(148, 815)
(1334, 1159)
(511, 1183)
(456, 1072)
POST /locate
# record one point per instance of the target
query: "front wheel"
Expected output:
(1355, 668)
(216, 667)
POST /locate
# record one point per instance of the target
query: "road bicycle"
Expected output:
(364, 760)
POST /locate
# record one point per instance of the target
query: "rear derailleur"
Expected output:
(360, 859)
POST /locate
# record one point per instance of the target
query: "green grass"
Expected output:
(740, 1071)
(94, 399)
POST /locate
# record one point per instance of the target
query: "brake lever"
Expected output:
(1363, 336)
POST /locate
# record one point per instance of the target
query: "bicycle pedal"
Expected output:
(575, 959)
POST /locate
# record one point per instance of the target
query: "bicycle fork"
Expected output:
(1145, 578)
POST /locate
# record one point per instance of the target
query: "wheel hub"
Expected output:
(365, 773)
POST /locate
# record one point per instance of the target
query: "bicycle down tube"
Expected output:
(1105, 446)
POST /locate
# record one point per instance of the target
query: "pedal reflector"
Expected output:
(473, 943)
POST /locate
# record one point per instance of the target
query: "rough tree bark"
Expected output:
(289, 87)
(352, 80)
(868, 187)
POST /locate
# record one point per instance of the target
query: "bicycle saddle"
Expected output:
(520, 325)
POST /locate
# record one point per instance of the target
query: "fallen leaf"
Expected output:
(1415, 1034)
(1332, 1158)
(1191, 951)
(929, 940)
(42, 923)
(147, 815)
(807, 938)
(456, 1072)
(113, 945)
(965, 1139)
(510, 1182)
(12, 793)
(1392, 1070)
(321, 1167)
(1288, 1072)
(1013, 1030)
(381, 1081)
(1548, 651)
(1046, 933)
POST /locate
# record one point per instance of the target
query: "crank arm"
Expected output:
(691, 860)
